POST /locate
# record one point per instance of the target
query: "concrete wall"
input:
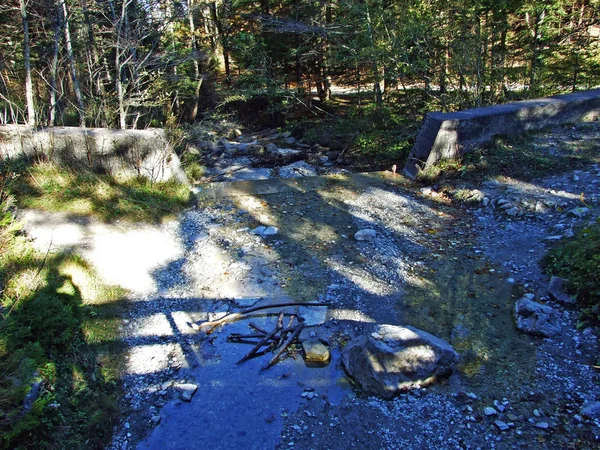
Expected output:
(450, 135)
(122, 153)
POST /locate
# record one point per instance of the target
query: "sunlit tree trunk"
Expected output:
(27, 58)
(74, 78)
(54, 70)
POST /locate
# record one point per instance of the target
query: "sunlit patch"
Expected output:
(145, 359)
(152, 325)
(352, 315)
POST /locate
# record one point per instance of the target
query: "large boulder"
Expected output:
(394, 359)
(536, 319)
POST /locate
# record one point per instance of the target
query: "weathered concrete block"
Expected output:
(122, 153)
(449, 135)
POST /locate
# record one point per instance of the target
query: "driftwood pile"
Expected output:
(277, 340)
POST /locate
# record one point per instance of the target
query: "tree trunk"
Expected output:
(27, 58)
(74, 79)
(196, 56)
(54, 70)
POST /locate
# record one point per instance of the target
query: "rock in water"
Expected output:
(556, 289)
(536, 319)
(365, 235)
(186, 391)
(394, 359)
(315, 351)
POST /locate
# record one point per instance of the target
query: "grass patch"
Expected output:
(47, 186)
(59, 328)
(578, 260)
(524, 157)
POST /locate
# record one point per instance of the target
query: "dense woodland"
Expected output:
(139, 63)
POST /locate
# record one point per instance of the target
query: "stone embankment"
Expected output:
(449, 135)
(123, 153)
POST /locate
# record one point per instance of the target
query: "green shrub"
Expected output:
(578, 260)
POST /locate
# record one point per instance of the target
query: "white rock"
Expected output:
(365, 235)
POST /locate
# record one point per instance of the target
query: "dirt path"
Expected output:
(451, 268)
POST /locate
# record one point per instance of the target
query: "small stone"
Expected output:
(542, 425)
(187, 391)
(502, 426)
(265, 231)
(156, 419)
(537, 413)
(365, 235)
(127, 426)
(489, 411)
(315, 351)
(510, 281)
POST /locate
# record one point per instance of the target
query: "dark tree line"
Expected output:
(133, 63)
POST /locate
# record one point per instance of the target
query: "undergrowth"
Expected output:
(45, 185)
(60, 352)
(578, 260)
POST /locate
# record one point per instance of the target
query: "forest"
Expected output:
(157, 63)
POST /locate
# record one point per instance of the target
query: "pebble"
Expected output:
(365, 235)
(502, 426)
(489, 411)
(542, 425)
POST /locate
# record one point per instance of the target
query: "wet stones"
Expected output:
(536, 319)
(297, 170)
(394, 359)
(315, 352)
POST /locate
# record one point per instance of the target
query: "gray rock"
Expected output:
(287, 152)
(512, 212)
(394, 359)
(542, 425)
(32, 395)
(489, 411)
(186, 391)
(556, 290)
(265, 231)
(297, 170)
(591, 410)
(272, 149)
(365, 235)
(156, 419)
(536, 319)
(315, 351)
(502, 426)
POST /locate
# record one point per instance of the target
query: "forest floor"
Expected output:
(450, 261)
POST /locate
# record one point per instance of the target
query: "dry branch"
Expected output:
(209, 326)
